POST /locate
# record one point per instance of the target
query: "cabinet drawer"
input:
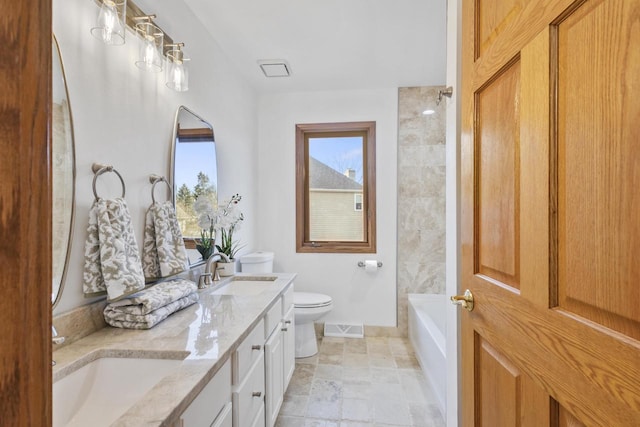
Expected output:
(287, 299)
(248, 397)
(209, 403)
(225, 417)
(273, 317)
(248, 352)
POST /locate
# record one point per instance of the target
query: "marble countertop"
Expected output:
(204, 335)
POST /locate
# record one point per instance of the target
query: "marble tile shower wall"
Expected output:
(421, 195)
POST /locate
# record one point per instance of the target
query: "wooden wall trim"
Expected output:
(25, 214)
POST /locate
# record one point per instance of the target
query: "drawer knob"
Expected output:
(256, 394)
(287, 322)
(256, 347)
(284, 329)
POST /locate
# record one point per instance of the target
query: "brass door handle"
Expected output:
(466, 300)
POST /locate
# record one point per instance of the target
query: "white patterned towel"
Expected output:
(118, 319)
(112, 264)
(163, 251)
(155, 297)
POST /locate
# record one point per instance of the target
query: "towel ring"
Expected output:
(98, 170)
(154, 179)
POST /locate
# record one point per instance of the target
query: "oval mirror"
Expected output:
(63, 174)
(194, 173)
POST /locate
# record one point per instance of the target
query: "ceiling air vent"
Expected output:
(275, 68)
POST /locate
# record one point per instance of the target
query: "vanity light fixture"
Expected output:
(151, 46)
(177, 75)
(113, 19)
(110, 24)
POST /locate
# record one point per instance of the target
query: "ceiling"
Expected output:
(331, 44)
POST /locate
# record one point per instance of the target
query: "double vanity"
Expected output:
(224, 361)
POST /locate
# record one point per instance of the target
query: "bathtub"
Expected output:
(426, 332)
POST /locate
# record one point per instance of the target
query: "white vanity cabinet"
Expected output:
(263, 364)
(279, 354)
(212, 407)
(249, 379)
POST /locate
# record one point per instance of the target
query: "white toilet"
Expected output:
(308, 307)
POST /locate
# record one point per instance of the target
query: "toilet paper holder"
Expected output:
(362, 264)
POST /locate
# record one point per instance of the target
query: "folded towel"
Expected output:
(114, 317)
(156, 297)
(163, 251)
(112, 264)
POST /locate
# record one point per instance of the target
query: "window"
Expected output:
(336, 187)
(357, 202)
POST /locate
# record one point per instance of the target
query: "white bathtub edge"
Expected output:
(429, 343)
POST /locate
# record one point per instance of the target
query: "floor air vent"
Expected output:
(353, 330)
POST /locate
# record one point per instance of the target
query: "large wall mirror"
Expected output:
(63, 174)
(194, 173)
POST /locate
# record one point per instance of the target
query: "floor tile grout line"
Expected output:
(394, 348)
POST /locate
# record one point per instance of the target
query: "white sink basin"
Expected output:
(100, 392)
(245, 286)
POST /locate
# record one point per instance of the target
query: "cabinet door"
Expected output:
(210, 402)
(289, 346)
(274, 375)
(259, 419)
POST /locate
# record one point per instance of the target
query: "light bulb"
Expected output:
(150, 56)
(177, 75)
(149, 53)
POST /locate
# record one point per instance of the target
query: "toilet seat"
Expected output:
(310, 300)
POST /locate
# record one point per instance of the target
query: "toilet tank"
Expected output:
(257, 262)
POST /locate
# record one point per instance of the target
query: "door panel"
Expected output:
(498, 380)
(491, 19)
(506, 396)
(565, 419)
(550, 221)
(599, 174)
(498, 170)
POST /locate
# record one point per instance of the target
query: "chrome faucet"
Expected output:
(208, 276)
(56, 340)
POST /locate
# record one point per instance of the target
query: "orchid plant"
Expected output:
(224, 217)
(208, 223)
(230, 220)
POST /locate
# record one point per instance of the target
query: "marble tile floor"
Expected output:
(369, 382)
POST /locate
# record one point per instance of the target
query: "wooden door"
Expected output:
(25, 214)
(551, 212)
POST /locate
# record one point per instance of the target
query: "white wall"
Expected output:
(124, 117)
(357, 296)
(454, 43)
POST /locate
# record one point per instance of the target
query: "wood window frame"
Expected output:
(303, 133)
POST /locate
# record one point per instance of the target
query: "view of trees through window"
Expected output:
(185, 197)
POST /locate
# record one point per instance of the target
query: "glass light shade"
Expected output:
(177, 77)
(110, 27)
(151, 47)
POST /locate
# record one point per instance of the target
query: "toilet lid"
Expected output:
(309, 299)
